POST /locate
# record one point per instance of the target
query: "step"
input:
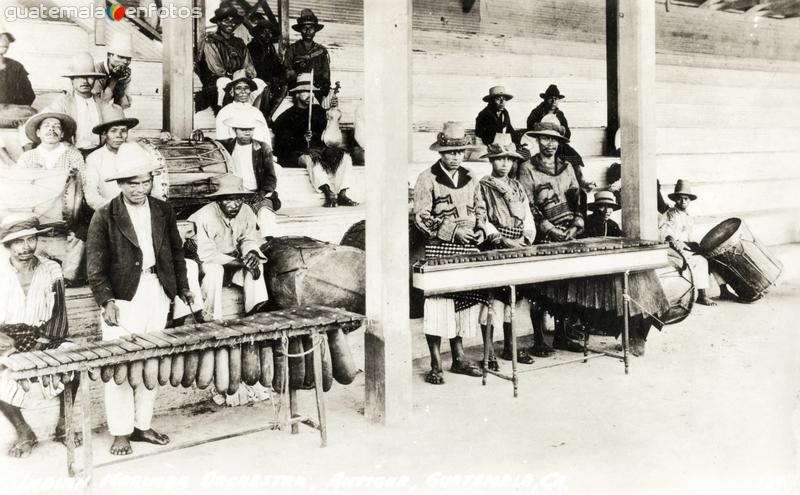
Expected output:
(325, 224)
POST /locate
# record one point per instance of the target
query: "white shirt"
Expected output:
(451, 175)
(140, 217)
(261, 131)
(100, 164)
(49, 158)
(243, 165)
(87, 116)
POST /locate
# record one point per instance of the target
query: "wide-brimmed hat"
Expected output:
(132, 161)
(497, 91)
(68, 125)
(551, 90)
(226, 10)
(228, 185)
(19, 225)
(121, 44)
(502, 146)
(4, 30)
(82, 65)
(113, 115)
(304, 83)
(260, 22)
(307, 16)
(453, 137)
(548, 129)
(239, 76)
(682, 188)
(604, 198)
(241, 121)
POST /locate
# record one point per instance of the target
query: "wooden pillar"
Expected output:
(178, 103)
(637, 103)
(286, 22)
(612, 73)
(387, 105)
(100, 24)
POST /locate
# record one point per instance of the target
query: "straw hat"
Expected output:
(548, 129)
(452, 138)
(113, 115)
(121, 45)
(132, 161)
(497, 91)
(4, 30)
(82, 65)
(68, 125)
(604, 198)
(19, 225)
(682, 188)
(228, 185)
(304, 83)
(239, 76)
(307, 16)
(502, 147)
(241, 121)
(551, 90)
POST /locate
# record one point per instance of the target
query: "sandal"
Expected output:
(522, 357)
(466, 368)
(22, 448)
(540, 349)
(492, 364)
(434, 377)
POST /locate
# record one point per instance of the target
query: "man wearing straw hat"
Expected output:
(599, 223)
(298, 143)
(33, 316)
(305, 55)
(51, 133)
(228, 245)
(244, 91)
(135, 267)
(494, 118)
(116, 70)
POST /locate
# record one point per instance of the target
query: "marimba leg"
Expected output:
(86, 416)
(487, 340)
(293, 410)
(514, 377)
(626, 317)
(318, 349)
(69, 428)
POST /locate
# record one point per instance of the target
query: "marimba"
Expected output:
(138, 357)
(536, 264)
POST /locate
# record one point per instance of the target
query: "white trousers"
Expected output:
(699, 267)
(128, 408)
(267, 222)
(180, 308)
(319, 177)
(255, 291)
(502, 313)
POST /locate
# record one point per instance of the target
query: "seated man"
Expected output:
(16, 92)
(33, 317)
(228, 245)
(675, 227)
(599, 223)
(252, 162)
(329, 169)
(241, 89)
(492, 119)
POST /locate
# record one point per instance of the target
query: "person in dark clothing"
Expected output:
(305, 55)
(599, 223)
(16, 93)
(268, 64)
(494, 117)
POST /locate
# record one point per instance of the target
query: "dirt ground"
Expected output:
(713, 407)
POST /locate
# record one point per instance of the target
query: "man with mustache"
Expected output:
(51, 134)
(33, 317)
(116, 69)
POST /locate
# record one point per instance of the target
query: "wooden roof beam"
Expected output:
(784, 8)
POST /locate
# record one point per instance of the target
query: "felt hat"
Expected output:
(228, 185)
(68, 125)
(307, 16)
(82, 65)
(453, 137)
(604, 198)
(682, 188)
(551, 90)
(19, 225)
(260, 22)
(548, 129)
(502, 147)
(226, 10)
(132, 161)
(121, 44)
(304, 83)
(4, 30)
(239, 76)
(497, 91)
(113, 115)
(241, 121)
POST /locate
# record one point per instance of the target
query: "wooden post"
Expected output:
(612, 73)
(286, 22)
(178, 103)
(637, 104)
(387, 105)
(100, 24)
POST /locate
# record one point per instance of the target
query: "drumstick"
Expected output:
(310, 104)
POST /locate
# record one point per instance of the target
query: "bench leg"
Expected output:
(293, 410)
(69, 428)
(514, 376)
(86, 415)
(320, 393)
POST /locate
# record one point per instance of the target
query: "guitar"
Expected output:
(332, 135)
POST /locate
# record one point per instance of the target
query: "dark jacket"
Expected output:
(113, 257)
(597, 226)
(487, 124)
(262, 163)
(290, 128)
(538, 113)
(15, 87)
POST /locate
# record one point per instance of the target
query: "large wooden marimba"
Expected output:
(258, 346)
(536, 264)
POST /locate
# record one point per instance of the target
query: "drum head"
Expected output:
(720, 234)
(678, 285)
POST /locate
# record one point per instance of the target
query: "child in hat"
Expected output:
(599, 223)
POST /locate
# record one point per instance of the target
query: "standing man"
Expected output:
(493, 119)
(329, 169)
(305, 55)
(116, 70)
(33, 317)
(228, 245)
(135, 268)
(449, 210)
(269, 65)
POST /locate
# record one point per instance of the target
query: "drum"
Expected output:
(678, 285)
(306, 271)
(185, 171)
(742, 261)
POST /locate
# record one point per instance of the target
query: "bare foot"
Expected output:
(435, 377)
(149, 436)
(705, 301)
(23, 446)
(121, 446)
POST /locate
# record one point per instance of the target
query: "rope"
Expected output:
(301, 354)
(649, 314)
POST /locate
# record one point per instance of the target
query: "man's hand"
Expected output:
(111, 313)
(334, 101)
(252, 263)
(187, 297)
(308, 135)
(495, 240)
(570, 233)
(511, 243)
(557, 235)
(463, 235)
